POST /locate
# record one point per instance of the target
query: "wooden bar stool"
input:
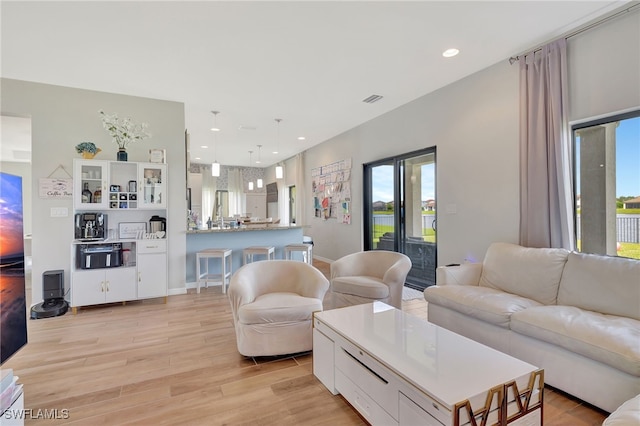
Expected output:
(226, 266)
(306, 249)
(249, 252)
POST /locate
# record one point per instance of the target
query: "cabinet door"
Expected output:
(152, 189)
(87, 287)
(120, 284)
(152, 275)
(91, 176)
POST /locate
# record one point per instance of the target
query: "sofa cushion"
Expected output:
(369, 287)
(487, 304)
(606, 284)
(279, 308)
(533, 273)
(628, 414)
(612, 340)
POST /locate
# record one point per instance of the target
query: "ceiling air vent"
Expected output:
(371, 99)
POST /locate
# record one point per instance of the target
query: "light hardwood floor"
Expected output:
(176, 363)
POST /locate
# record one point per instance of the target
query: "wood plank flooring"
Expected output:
(153, 363)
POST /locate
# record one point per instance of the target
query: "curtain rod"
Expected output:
(587, 27)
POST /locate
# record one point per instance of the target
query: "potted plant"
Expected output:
(123, 131)
(87, 149)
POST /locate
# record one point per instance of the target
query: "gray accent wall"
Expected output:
(474, 123)
(62, 117)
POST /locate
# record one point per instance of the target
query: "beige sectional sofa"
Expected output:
(575, 315)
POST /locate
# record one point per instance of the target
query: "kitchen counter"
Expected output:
(237, 239)
(258, 226)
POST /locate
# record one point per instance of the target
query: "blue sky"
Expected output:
(628, 158)
(627, 167)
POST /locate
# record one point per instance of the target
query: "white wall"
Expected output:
(474, 123)
(62, 117)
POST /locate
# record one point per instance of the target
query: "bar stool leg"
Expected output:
(198, 272)
(224, 273)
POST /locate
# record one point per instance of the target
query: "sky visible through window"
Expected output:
(627, 158)
(382, 178)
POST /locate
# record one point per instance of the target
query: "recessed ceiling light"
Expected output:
(215, 129)
(197, 158)
(450, 53)
(203, 146)
(274, 152)
(301, 138)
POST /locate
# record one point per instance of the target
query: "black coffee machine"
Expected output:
(90, 226)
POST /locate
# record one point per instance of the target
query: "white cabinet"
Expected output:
(119, 185)
(152, 268)
(90, 184)
(129, 193)
(152, 183)
(96, 286)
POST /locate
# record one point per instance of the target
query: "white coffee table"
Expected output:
(395, 368)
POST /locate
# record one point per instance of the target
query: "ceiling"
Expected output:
(308, 63)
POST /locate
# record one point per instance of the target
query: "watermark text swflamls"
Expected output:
(36, 414)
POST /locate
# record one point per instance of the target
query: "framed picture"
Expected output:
(130, 230)
(157, 155)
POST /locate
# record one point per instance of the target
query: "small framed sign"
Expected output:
(157, 155)
(131, 230)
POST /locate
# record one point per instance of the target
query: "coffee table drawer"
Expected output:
(362, 402)
(376, 380)
(411, 413)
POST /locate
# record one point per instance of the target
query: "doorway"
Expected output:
(400, 211)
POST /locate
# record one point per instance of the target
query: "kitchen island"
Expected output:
(238, 239)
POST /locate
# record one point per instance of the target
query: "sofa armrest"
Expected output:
(465, 274)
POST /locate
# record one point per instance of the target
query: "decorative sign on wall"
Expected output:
(55, 188)
(51, 187)
(331, 190)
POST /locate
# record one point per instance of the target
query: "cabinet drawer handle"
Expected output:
(107, 285)
(139, 277)
(102, 286)
(152, 246)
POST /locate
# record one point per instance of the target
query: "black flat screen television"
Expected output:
(13, 302)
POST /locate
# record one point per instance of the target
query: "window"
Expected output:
(607, 185)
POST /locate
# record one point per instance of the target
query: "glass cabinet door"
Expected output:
(90, 184)
(151, 185)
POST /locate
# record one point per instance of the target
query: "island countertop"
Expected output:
(252, 227)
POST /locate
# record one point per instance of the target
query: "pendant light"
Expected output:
(215, 166)
(259, 181)
(250, 182)
(277, 120)
(279, 169)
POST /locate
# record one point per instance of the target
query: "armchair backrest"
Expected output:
(274, 276)
(373, 263)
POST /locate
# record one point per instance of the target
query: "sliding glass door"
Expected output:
(400, 211)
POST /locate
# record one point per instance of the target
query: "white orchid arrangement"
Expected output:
(124, 130)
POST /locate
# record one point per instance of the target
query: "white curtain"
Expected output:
(546, 192)
(209, 186)
(236, 192)
(301, 191)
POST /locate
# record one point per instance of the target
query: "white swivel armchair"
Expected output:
(366, 276)
(273, 304)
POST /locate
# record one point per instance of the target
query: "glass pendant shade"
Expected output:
(279, 172)
(215, 169)
(259, 183)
